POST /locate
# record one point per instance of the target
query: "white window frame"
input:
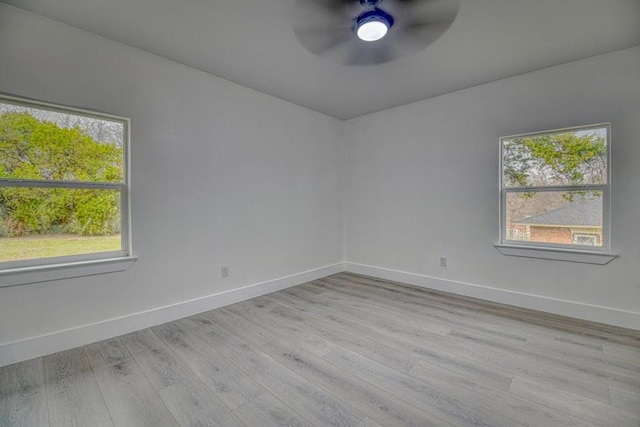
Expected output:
(556, 251)
(54, 268)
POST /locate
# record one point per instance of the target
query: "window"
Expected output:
(63, 186)
(585, 239)
(555, 189)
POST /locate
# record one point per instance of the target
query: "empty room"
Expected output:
(319, 213)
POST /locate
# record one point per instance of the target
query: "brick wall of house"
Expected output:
(550, 234)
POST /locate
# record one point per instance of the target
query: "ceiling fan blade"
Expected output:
(340, 52)
(367, 53)
(311, 13)
(407, 3)
(417, 36)
(427, 11)
(422, 22)
(321, 40)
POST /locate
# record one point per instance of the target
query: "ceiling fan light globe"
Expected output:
(372, 30)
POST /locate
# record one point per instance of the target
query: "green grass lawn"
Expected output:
(20, 248)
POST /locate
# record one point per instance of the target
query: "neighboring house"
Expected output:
(579, 223)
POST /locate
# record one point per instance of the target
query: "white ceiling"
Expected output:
(251, 42)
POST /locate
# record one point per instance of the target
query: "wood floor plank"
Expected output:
(305, 398)
(432, 351)
(625, 398)
(383, 313)
(563, 379)
(376, 315)
(376, 403)
(231, 384)
(23, 395)
(264, 325)
(573, 404)
(159, 363)
(568, 345)
(339, 334)
(453, 316)
(622, 352)
(520, 410)
(268, 411)
(416, 392)
(368, 422)
(424, 305)
(348, 337)
(349, 318)
(524, 316)
(73, 395)
(583, 355)
(194, 405)
(333, 319)
(107, 353)
(340, 291)
(130, 398)
(540, 369)
(399, 354)
(240, 326)
(283, 330)
(519, 357)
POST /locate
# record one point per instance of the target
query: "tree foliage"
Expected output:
(42, 150)
(555, 159)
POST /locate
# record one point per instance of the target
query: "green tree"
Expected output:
(556, 159)
(42, 150)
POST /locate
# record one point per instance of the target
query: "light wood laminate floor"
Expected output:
(346, 350)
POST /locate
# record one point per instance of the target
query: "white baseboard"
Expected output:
(594, 313)
(31, 347)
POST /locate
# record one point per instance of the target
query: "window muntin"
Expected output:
(63, 185)
(554, 186)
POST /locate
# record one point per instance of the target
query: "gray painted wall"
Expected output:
(423, 183)
(221, 175)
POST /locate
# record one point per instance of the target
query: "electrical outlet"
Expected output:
(443, 261)
(225, 271)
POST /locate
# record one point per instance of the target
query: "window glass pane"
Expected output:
(576, 157)
(48, 145)
(567, 218)
(53, 222)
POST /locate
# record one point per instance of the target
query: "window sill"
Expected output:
(556, 254)
(46, 273)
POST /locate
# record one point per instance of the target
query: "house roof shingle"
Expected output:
(579, 212)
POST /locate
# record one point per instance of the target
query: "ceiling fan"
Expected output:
(368, 32)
